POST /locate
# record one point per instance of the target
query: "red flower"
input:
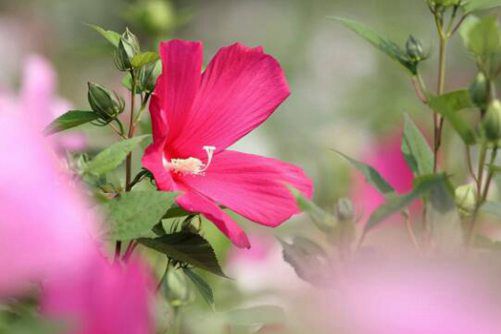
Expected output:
(196, 116)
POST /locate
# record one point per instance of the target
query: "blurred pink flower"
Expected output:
(197, 116)
(386, 157)
(102, 298)
(45, 226)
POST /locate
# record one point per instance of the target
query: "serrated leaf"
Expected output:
(111, 36)
(416, 150)
(381, 43)
(256, 316)
(396, 203)
(492, 208)
(372, 176)
(133, 214)
(186, 247)
(110, 158)
(202, 286)
(449, 105)
(71, 119)
(144, 58)
(476, 5)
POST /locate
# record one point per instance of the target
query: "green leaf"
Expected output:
(256, 316)
(109, 35)
(449, 105)
(202, 286)
(144, 58)
(381, 43)
(492, 208)
(475, 5)
(416, 150)
(481, 36)
(133, 214)
(323, 220)
(186, 247)
(396, 203)
(111, 157)
(372, 176)
(70, 120)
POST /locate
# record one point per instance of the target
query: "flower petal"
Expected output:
(194, 202)
(153, 161)
(252, 186)
(178, 84)
(239, 90)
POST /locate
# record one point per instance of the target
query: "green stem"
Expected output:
(480, 197)
(438, 120)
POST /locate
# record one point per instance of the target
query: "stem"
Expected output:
(470, 164)
(132, 130)
(479, 201)
(410, 231)
(438, 120)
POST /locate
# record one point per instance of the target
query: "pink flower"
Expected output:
(197, 116)
(102, 298)
(45, 226)
(387, 158)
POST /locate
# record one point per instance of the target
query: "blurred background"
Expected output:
(345, 95)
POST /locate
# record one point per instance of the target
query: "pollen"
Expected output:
(190, 165)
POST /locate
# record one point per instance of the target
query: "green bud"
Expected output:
(103, 103)
(344, 210)
(466, 197)
(128, 47)
(479, 91)
(154, 16)
(492, 121)
(414, 49)
(176, 288)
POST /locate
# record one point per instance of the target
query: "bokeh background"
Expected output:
(345, 94)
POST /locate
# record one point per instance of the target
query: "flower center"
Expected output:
(190, 165)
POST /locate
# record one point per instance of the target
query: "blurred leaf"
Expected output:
(372, 176)
(492, 208)
(109, 35)
(202, 286)
(309, 260)
(186, 247)
(323, 220)
(256, 316)
(423, 185)
(381, 43)
(475, 5)
(415, 148)
(481, 36)
(133, 214)
(70, 120)
(144, 58)
(110, 158)
(448, 105)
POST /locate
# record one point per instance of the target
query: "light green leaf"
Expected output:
(492, 208)
(202, 286)
(396, 203)
(416, 150)
(186, 247)
(133, 214)
(144, 58)
(323, 220)
(449, 105)
(256, 316)
(372, 176)
(110, 158)
(71, 119)
(475, 5)
(481, 36)
(109, 35)
(381, 43)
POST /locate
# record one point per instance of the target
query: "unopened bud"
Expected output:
(492, 121)
(479, 91)
(344, 209)
(414, 49)
(103, 103)
(128, 47)
(466, 197)
(176, 288)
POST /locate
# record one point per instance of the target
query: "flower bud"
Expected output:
(128, 47)
(176, 288)
(492, 121)
(414, 49)
(102, 102)
(344, 210)
(479, 91)
(466, 197)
